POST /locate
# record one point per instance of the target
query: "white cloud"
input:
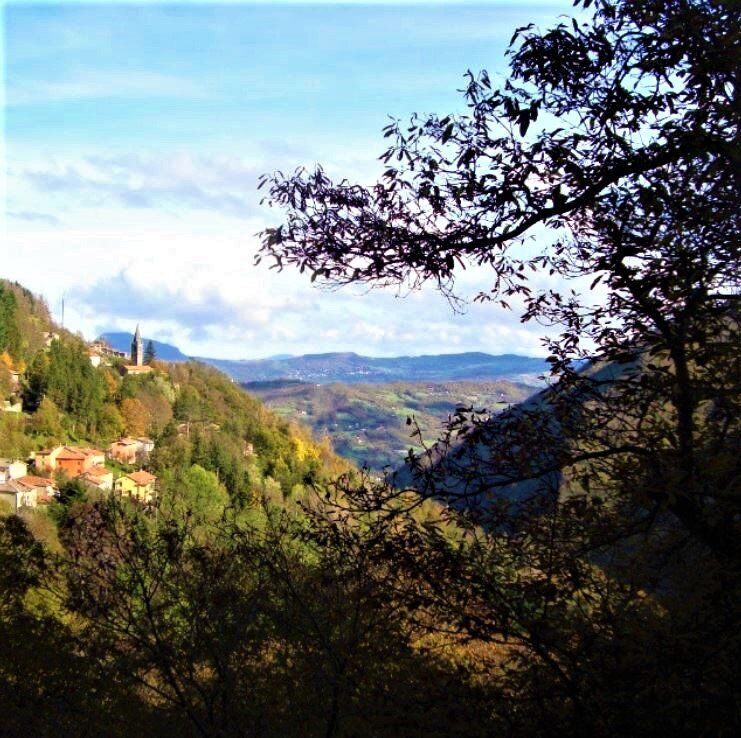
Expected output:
(104, 84)
(34, 217)
(175, 263)
(212, 184)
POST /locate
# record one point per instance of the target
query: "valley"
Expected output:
(352, 368)
(367, 423)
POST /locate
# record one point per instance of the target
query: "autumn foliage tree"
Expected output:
(135, 416)
(619, 135)
(616, 137)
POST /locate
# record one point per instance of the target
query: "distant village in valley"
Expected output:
(118, 469)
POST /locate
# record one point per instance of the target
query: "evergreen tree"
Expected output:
(149, 353)
(10, 338)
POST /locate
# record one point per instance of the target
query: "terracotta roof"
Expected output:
(142, 477)
(125, 442)
(71, 453)
(31, 481)
(92, 451)
(98, 471)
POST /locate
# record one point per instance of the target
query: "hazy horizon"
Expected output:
(281, 355)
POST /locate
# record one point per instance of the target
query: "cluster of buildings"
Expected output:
(99, 351)
(21, 489)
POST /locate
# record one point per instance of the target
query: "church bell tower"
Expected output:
(137, 348)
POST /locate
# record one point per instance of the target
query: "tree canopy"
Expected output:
(613, 144)
(607, 162)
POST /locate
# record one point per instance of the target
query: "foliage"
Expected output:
(10, 337)
(618, 137)
(24, 318)
(247, 631)
(65, 375)
(135, 416)
(14, 441)
(47, 686)
(47, 422)
(149, 353)
(193, 492)
(367, 422)
(6, 382)
(71, 492)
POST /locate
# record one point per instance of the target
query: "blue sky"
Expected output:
(134, 136)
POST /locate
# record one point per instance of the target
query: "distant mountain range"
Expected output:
(352, 368)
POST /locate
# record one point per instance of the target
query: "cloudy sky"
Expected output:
(134, 136)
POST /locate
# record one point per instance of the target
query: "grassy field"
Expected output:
(367, 422)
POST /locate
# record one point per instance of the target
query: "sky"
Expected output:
(134, 136)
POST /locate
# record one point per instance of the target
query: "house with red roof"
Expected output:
(69, 460)
(98, 477)
(139, 485)
(46, 490)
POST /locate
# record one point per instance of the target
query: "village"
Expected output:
(36, 480)
(105, 471)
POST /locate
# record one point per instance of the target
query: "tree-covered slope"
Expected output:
(367, 423)
(195, 414)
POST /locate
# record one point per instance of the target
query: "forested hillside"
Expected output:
(195, 414)
(269, 589)
(24, 319)
(367, 423)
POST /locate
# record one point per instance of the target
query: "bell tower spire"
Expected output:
(137, 348)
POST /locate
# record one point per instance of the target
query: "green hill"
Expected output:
(367, 422)
(196, 415)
